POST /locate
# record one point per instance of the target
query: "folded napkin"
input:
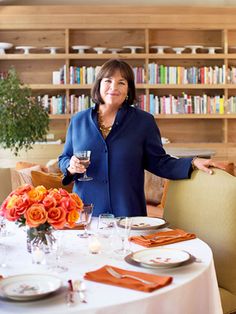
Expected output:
(103, 276)
(162, 238)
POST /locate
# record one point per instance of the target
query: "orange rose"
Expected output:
(77, 199)
(63, 192)
(22, 189)
(49, 202)
(36, 215)
(20, 205)
(11, 214)
(57, 217)
(55, 194)
(72, 217)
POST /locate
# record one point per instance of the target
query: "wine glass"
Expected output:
(85, 219)
(84, 158)
(123, 226)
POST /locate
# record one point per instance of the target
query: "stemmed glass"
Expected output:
(123, 227)
(85, 219)
(84, 158)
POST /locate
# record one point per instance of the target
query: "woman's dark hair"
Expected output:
(107, 70)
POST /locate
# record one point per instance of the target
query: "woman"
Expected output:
(124, 141)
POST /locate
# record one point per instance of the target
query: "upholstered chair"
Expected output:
(206, 205)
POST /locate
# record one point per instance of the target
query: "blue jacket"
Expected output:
(118, 163)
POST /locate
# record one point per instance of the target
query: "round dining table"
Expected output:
(194, 288)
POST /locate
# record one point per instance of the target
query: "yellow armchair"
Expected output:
(206, 205)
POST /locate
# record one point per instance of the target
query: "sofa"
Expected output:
(206, 206)
(5, 186)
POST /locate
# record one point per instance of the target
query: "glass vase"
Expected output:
(40, 236)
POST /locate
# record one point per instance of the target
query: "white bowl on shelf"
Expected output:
(114, 50)
(99, 50)
(160, 49)
(81, 48)
(26, 49)
(53, 50)
(4, 46)
(212, 50)
(178, 50)
(133, 48)
(193, 48)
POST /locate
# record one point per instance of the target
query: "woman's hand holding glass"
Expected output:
(79, 162)
(84, 158)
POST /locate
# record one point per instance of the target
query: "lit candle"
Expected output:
(38, 255)
(94, 246)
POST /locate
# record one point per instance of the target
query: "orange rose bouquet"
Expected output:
(42, 209)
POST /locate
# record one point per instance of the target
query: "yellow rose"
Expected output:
(72, 217)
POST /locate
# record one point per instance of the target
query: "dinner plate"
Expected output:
(145, 223)
(160, 257)
(29, 286)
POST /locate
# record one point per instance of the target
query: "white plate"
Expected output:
(28, 287)
(160, 257)
(145, 223)
(133, 48)
(193, 48)
(114, 50)
(160, 49)
(100, 50)
(81, 48)
(25, 48)
(212, 50)
(4, 46)
(53, 50)
(178, 50)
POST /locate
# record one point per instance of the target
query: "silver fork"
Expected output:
(80, 287)
(161, 236)
(115, 274)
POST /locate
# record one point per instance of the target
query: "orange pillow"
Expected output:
(49, 180)
(24, 164)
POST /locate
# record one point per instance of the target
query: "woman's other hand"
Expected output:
(204, 164)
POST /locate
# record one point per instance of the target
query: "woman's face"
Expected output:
(114, 89)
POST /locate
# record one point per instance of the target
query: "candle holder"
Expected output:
(38, 253)
(94, 245)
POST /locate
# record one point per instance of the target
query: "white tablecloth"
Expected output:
(193, 290)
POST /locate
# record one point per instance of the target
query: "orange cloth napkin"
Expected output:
(102, 275)
(162, 238)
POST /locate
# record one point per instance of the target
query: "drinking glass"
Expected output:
(105, 231)
(84, 158)
(3, 256)
(123, 226)
(53, 256)
(106, 223)
(85, 219)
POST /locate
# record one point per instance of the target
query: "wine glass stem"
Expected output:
(85, 231)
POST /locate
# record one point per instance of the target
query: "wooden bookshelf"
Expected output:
(115, 27)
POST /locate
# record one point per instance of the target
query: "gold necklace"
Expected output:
(105, 130)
